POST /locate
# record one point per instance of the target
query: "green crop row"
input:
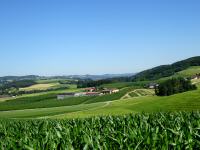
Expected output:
(180, 130)
(50, 100)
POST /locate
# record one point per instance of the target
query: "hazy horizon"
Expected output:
(49, 37)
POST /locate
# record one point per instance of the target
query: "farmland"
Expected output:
(132, 98)
(140, 131)
(134, 118)
(97, 106)
(40, 87)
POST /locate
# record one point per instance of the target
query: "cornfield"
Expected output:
(178, 130)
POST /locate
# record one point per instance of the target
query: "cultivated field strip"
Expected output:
(178, 130)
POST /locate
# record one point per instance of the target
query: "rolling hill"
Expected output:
(167, 70)
(188, 101)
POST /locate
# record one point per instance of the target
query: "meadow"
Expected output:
(185, 73)
(43, 86)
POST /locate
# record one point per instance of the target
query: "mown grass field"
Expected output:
(43, 86)
(51, 81)
(141, 131)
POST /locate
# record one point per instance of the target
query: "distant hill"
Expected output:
(166, 70)
(101, 77)
(17, 78)
(73, 77)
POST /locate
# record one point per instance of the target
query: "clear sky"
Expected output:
(62, 37)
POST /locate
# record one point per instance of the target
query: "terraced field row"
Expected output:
(139, 93)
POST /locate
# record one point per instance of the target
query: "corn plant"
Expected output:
(178, 130)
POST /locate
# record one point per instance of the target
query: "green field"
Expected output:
(179, 102)
(121, 85)
(130, 99)
(50, 84)
(46, 81)
(92, 106)
(189, 72)
(140, 131)
(50, 100)
(185, 73)
(133, 118)
(40, 86)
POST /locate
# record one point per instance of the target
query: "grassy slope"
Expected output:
(73, 89)
(121, 85)
(40, 86)
(188, 101)
(51, 81)
(185, 101)
(189, 72)
(50, 100)
(41, 112)
(48, 84)
(185, 73)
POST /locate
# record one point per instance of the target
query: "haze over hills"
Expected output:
(92, 77)
(150, 74)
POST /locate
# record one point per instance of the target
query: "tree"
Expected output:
(173, 86)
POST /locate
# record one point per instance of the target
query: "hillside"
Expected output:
(187, 73)
(188, 101)
(16, 78)
(166, 70)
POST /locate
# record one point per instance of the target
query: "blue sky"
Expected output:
(61, 37)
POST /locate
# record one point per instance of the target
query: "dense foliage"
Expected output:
(166, 70)
(91, 83)
(174, 86)
(96, 83)
(143, 131)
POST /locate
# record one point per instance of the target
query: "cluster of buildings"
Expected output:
(152, 85)
(196, 76)
(92, 91)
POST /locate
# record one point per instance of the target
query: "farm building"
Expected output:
(110, 91)
(195, 77)
(65, 95)
(80, 94)
(152, 85)
(105, 91)
(90, 89)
